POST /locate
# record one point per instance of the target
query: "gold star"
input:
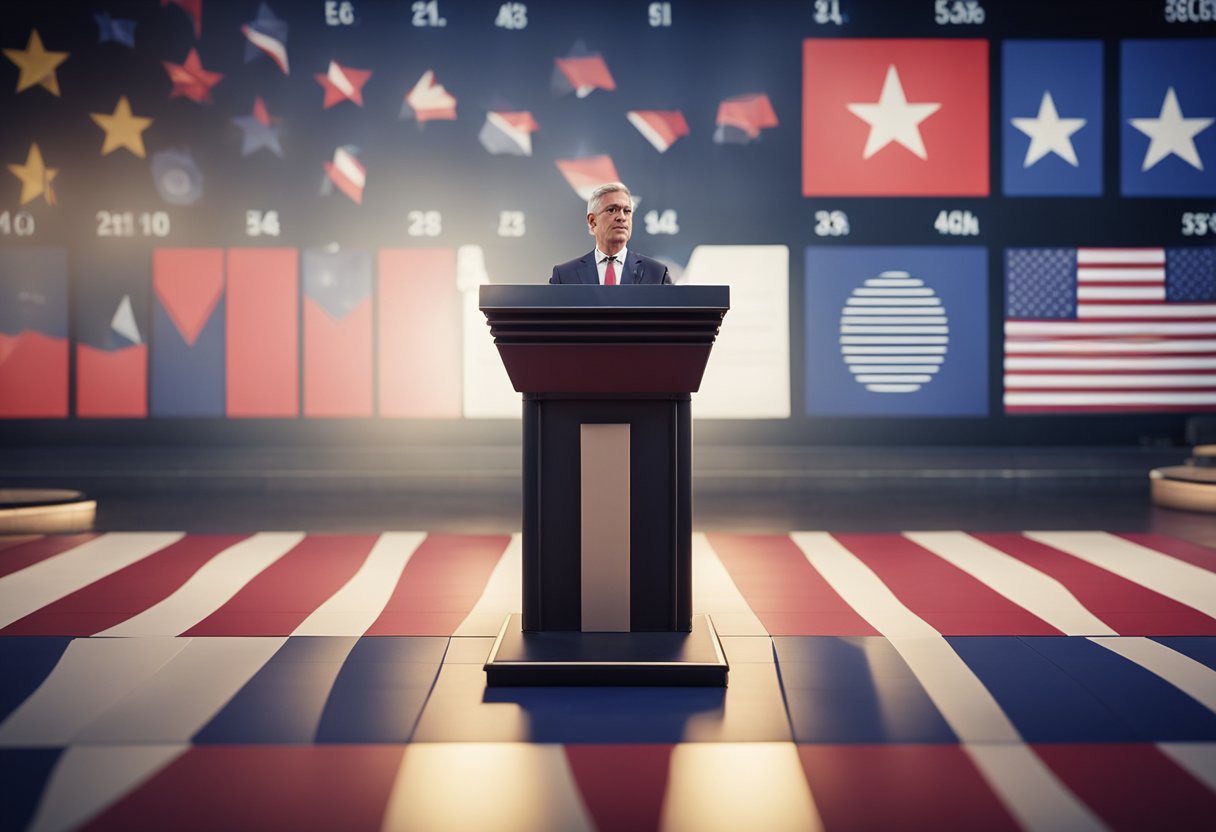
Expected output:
(36, 64)
(122, 129)
(35, 177)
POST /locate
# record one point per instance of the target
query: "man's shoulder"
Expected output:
(574, 263)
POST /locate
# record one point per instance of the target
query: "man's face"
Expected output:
(613, 224)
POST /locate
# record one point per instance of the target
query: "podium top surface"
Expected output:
(574, 296)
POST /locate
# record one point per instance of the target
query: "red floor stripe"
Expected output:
(18, 557)
(866, 787)
(946, 597)
(1132, 786)
(275, 601)
(1129, 609)
(788, 596)
(124, 593)
(8, 541)
(1193, 553)
(439, 586)
(301, 788)
(623, 786)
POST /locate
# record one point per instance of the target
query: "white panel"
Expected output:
(1174, 578)
(488, 393)
(91, 676)
(184, 695)
(89, 779)
(1030, 790)
(210, 587)
(604, 527)
(502, 596)
(1193, 678)
(1039, 594)
(1198, 758)
(738, 786)
(472, 787)
(355, 607)
(32, 588)
(748, 376)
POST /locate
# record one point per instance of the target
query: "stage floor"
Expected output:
(279, 679)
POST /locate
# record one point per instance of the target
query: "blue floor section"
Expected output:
(23, 777)
(26, 661)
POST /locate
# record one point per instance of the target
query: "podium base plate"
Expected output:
(560, 657)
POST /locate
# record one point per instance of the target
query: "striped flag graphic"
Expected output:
(1110, 329)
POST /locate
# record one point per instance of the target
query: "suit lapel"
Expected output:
(588, 273)
(631, 270)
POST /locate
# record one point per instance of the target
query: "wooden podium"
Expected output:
(606, 374)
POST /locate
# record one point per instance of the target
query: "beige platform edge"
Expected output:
(1187, 487)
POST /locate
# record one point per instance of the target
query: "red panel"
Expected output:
(337, 361)
(16, 558)
(279, 598)
(112, 384)
(33, 376)
(1132, 786)
(420, 343)
(298, 788)
(1193, 553)
(605, 368)
(263, 358)
(786, 593)
(188, 282)
(950, 600)
(124, 593)
(8, 541)
(1129, 609)
(439, 586)
(623, 786)
(866, 787)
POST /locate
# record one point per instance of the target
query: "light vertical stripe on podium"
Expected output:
(604, 465)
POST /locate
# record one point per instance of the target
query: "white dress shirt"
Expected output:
(601, 264)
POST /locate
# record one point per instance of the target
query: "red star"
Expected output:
(342, 83)
(191, 80)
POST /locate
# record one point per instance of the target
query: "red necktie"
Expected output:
(610, 272)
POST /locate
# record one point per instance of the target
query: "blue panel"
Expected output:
(380, 692)
(1039, 76)
(854, 690)
(283, 701)
(957, 384)
(1045, 703)
(1165, 85)
(26, 662)
(187, 380)
(34, 291)
(23, 776)
(1200, 648)
(1155, 710)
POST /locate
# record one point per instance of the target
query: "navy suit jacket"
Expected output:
(637, 268)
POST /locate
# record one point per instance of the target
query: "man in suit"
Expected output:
(610, 221)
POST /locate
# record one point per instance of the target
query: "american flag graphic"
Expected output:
(1110, 329)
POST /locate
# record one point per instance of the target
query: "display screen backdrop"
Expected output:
(972, 221)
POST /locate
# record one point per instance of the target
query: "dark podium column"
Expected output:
(606, 375)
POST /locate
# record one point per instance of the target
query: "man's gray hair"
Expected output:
(597, 196)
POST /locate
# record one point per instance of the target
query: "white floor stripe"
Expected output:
(1034, 591)
(210, 587)
(1031, 791)
(1177, 579)
(89, 779)
(91, 676)
(184, 695)
(507, 787)
(355, 607)
(1193, 678)
(32, 588)
(502, 596)
(734, 786)
(958, 693)
(715, 592)
(1199, 758)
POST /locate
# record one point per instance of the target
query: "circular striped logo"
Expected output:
(893, 333)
